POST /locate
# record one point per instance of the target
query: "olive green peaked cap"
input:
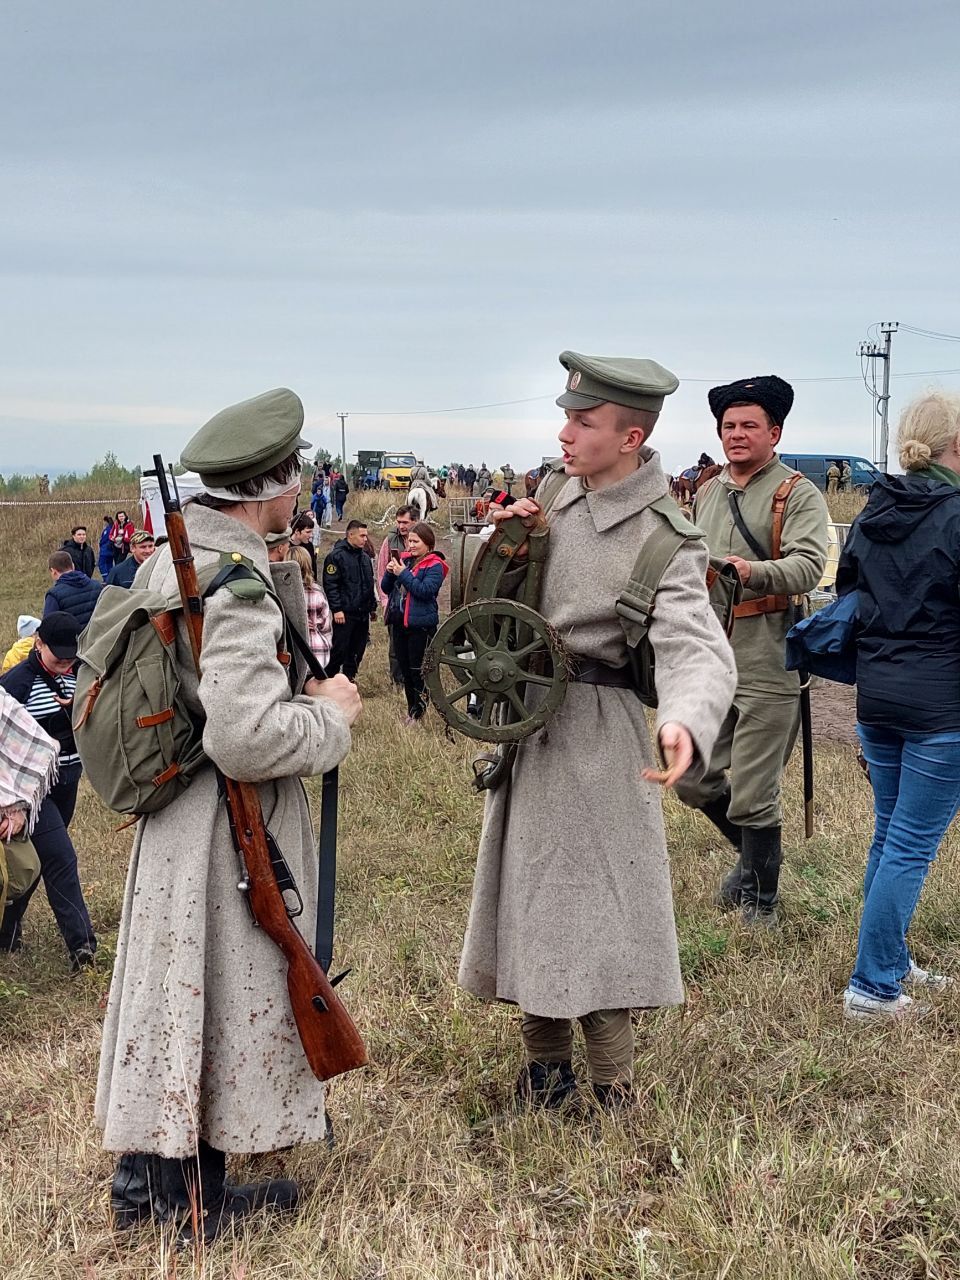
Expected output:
(246, 439)
(593, 380)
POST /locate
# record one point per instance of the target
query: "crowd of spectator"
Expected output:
(343, 588)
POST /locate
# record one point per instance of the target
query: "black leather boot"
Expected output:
(135, 1186)
(547, 1085)
(729, 894)
(762, 856)
(614, 1097)
(194, 1193)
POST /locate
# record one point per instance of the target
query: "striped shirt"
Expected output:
(45, 709)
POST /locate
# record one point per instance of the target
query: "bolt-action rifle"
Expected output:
(330, 1040)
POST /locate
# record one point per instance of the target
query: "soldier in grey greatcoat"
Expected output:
(200, 1053)
(572, 914)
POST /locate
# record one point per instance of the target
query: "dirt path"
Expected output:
(833, 711)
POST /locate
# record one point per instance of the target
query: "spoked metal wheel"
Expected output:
(496, 671)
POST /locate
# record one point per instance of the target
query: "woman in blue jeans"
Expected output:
(903, 559)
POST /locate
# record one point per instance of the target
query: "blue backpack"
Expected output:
(825, 644)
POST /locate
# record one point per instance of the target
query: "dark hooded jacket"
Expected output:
(902, 557)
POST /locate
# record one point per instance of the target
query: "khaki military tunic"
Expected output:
(758, 736)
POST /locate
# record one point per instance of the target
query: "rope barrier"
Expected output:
(65, 502)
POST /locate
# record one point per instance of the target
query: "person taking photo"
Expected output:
(412, 582)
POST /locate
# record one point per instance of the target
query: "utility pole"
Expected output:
(881, 351)
(343, 443)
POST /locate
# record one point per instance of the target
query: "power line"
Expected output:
(500, 404)
(466, 408)
(931, 333)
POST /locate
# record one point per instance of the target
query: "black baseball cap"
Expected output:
(59, 632)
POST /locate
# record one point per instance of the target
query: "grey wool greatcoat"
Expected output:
(572, 908)
(199, 1040)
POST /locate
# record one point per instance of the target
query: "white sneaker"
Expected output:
(861, 1008)
(918, 977)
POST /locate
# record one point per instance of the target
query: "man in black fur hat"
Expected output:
(771, 524)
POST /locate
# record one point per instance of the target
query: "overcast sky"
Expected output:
(417, 205)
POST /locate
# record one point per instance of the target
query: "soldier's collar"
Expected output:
(618, 502)
(728, 480)
(213, 530)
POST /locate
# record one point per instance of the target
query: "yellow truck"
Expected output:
(395, 470)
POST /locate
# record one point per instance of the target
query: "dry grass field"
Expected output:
(771, 1140)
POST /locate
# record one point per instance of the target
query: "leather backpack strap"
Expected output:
(779, 507)
(770, 604)
(635, 604)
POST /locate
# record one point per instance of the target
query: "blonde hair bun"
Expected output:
(929, 426)
(914, 455)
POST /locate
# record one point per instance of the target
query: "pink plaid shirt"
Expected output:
(319, 623)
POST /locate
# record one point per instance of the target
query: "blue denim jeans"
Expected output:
(916, 793)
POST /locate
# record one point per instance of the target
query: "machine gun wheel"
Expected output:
(496, 670)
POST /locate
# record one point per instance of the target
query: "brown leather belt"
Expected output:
(762, 604)
(585, 671)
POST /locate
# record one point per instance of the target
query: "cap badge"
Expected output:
(574, 380)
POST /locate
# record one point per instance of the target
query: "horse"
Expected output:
(684, 488)
(423, 497)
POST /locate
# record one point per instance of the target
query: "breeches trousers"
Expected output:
(753, 748)
(609, 1040)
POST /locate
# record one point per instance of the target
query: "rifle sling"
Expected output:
(733, 501)
(763, 604)
(327, 846)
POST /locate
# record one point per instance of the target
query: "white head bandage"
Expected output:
(270, 489)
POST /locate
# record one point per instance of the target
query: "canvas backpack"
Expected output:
(139, 743)
(637, 602)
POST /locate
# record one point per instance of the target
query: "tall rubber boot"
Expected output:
(762, 856)
(136, 1184)
(195, 1193)
(729, 894)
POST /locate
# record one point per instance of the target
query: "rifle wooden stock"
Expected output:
(331, 1041)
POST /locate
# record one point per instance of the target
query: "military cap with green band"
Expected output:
(594, 380)
(246, 439)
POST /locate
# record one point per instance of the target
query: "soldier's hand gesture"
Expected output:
(677, 747)
(339, 690)
(526, 508)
